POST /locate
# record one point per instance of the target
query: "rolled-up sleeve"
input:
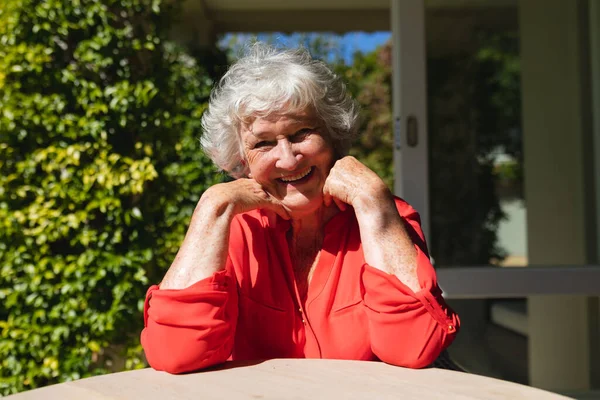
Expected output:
(191, 328)
(406, 328)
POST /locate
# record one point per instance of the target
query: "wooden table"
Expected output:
(284, 379)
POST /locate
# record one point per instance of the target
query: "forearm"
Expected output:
(386, 243)
(190, 329)
(422, 319)
(204, 248)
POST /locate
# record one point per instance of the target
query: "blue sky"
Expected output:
(363, 42)
(343, 46)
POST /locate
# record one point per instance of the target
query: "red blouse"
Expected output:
(252, 309)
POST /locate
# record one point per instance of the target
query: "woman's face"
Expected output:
(290, 156)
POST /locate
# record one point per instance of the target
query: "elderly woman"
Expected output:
(306, 253)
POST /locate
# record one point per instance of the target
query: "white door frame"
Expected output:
(409, 105)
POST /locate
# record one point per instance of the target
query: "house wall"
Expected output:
(594, 24)
(557, 183)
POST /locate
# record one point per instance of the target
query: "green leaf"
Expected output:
(100, 171)
(136, 213)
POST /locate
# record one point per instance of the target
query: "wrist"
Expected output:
(214, 202)
(375, 201)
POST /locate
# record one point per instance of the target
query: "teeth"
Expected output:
(296, 177)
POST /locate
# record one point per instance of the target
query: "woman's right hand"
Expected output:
(204, 248)
(244, 194)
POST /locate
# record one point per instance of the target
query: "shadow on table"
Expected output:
(444, 361)
(230, 365)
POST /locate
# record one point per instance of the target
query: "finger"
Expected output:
(326, 195)
(340, 204)
(327, 199)
(282, 212)
(276, 207)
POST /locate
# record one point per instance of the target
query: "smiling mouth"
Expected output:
(298, 177)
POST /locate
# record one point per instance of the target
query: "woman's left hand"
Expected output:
(352, 182)
(385, 241)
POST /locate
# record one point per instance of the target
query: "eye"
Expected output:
(301, 134)
(263, 144)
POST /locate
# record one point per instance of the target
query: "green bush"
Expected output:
(100, 171)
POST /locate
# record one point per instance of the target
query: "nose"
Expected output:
(287, 159)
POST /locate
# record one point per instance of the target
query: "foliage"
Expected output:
(369, 79)
(499, 60)
(474, 115)
(99, 174)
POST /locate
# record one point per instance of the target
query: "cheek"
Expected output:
(250, 158)
(258, 164)
(318, 146)
(327, 154)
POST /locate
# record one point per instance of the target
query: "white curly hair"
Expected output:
(267, 81)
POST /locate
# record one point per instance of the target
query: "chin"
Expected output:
(304, 206)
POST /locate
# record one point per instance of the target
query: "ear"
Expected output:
(243, 163)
